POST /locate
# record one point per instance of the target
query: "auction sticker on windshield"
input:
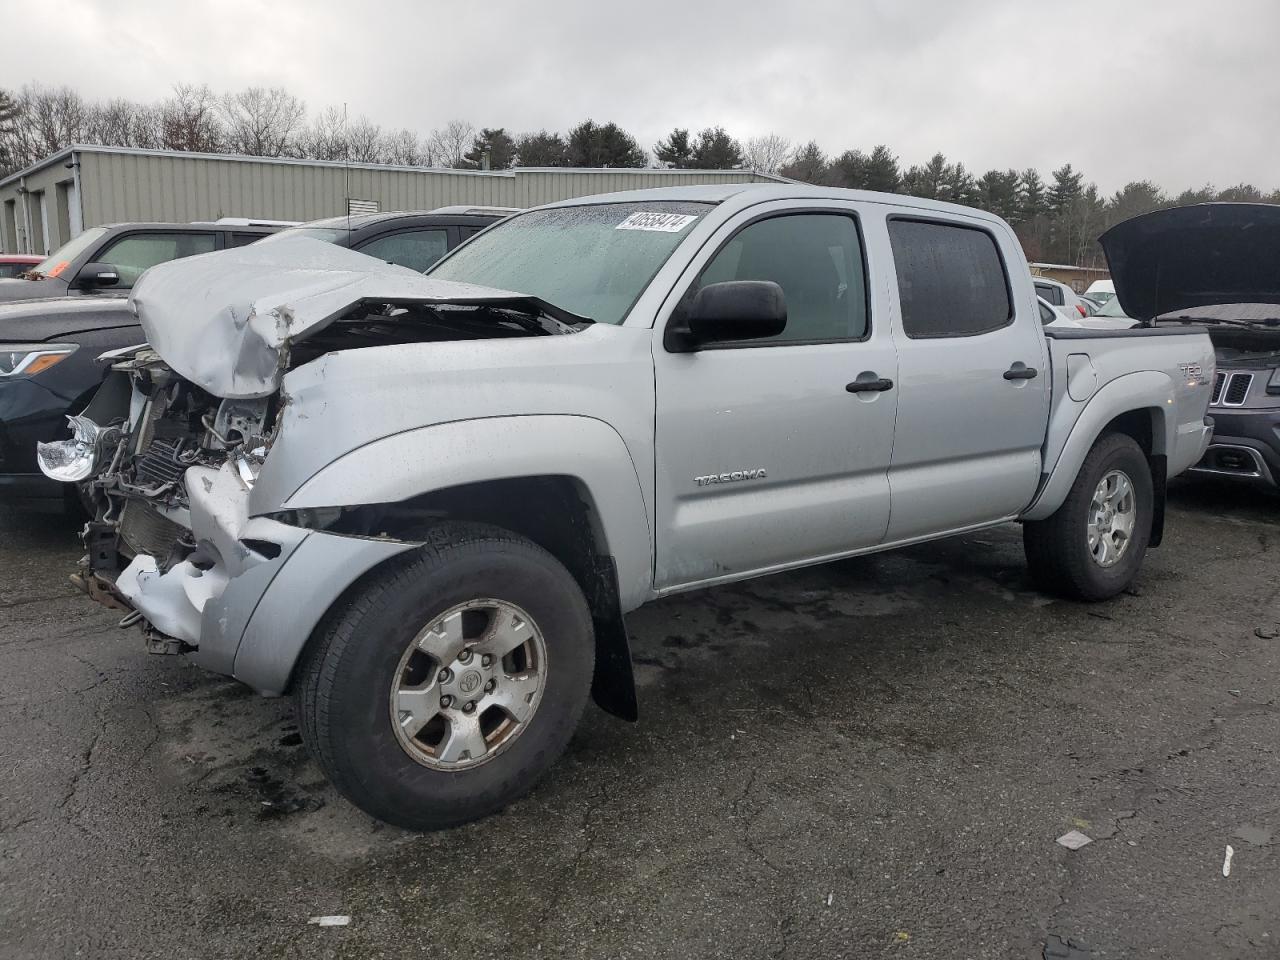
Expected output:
(652, 220)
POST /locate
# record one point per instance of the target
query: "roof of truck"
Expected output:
(746, 194)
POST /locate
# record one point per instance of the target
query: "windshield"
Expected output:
(60, 259)
(1111, 308)
(327, 234)
(593, 261)
(1102, 296)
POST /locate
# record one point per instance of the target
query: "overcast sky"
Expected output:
(1179, 91)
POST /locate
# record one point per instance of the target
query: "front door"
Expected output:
(974, 403)
(765, 456)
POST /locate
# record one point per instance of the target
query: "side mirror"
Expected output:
(734, 310)
(97, 275)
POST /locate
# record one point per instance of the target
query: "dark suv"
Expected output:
(1215, 264)
(49, 348)
(107, 260)
(413, 240)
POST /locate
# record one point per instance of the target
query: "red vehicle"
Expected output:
(12, 264)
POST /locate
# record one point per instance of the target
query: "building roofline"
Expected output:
(342, 165)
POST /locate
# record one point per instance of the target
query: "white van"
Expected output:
(1101, 290)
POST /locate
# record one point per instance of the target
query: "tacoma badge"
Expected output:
(756, 474)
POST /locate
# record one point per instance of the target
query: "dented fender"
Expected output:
(446, 455)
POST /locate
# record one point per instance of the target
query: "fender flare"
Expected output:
(431, 458)
(1144, 390)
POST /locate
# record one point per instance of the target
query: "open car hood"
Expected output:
(225, 320)
(1189, 257)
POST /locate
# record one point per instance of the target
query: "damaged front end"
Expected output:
(165, 468)
(173, 456)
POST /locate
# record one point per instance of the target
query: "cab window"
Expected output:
(951, 279)
(816, 258)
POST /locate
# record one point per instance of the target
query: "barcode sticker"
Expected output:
(661, 222)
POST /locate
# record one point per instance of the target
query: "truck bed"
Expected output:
(1093, 368)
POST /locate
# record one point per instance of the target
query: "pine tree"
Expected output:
(675, 151)
(808, 165)
(882, 171)
(1032, 201)
(850, 170)
(542, 149)
(998, 192)
(493, 143)
(926, 181)
(716, 150)
(594, 144)
(1067, 187)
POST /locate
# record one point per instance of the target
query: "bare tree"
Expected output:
(123, 123)
(8, 122)
(767, 153)
(450, 143)
(324, 138)
(189, 120)
(261, 122)
(406, 149)
(47, 121)
(365, 142)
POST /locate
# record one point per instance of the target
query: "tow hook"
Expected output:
(99, 589)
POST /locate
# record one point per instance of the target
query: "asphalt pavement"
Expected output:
(871, 758)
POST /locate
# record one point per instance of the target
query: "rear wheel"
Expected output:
(450, 681)
(1092, 547)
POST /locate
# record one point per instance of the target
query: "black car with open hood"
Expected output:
(1216, 264)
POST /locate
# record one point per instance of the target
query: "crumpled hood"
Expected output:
(225, 320)
(1189, 257)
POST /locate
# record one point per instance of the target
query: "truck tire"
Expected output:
(1092, 546)
(447, 682)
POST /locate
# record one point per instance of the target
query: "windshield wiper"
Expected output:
(1189, 318)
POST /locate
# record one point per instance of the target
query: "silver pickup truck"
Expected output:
(422, 505)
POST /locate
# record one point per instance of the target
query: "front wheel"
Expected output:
(450, 681)
(1092, 546)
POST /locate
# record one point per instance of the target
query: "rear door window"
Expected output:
(242, 239)
(415, 249)
(951, 279)
(1050, 293)
(134, 253)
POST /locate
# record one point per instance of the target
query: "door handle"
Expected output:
(870, 386)
(1020, 372)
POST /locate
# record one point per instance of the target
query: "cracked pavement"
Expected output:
(870, 758)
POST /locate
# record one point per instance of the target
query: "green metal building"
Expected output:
(47, 204)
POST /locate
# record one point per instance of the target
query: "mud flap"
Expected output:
(1159, 489)
(613, 686)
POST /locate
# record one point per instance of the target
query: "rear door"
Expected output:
(974, 400)
(765, 458)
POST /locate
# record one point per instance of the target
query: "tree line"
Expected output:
(1057, 219)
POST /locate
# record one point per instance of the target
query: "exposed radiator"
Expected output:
(144, 529)
(159, 464)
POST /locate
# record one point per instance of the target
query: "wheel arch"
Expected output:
(1137, 405)
(565, 483)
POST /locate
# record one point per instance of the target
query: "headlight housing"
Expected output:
(76, 459)
(28, 359)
